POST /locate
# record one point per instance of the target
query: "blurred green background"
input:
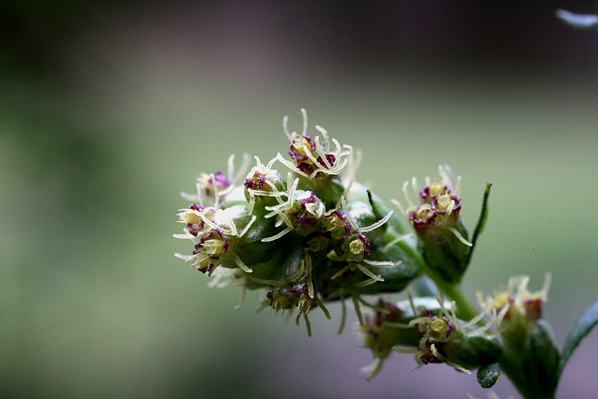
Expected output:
(109, 110)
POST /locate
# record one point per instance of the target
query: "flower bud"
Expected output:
(443, 237)
(263, 186)
(316, 164)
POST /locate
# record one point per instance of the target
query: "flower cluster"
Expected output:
(302, 231)
(426, 329)
(303, 239)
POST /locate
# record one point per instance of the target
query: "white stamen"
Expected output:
(185, 236)
(285, 127)
(199, 198)
(310, 282)
(304, 113)
(399, 238)
(231, 167)
(367, 272)
(246, 228)
(277, 236)
(460, 237)
(241, 265)
(374, 226)
(406, 195)
(381, 263)
(217, 197)
(186, 258)
(290, 165)
(348, 215)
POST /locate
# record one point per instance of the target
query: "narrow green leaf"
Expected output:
(381, 210)
(481, 221)
(488, 375)
(582, 327)
(580, 21)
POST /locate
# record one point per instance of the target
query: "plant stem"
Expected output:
(465, 309)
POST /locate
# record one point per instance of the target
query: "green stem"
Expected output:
(465, 309)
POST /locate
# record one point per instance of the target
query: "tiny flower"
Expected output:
(318, 243)
(217, 187)
(317, 164)
(310, 157)
(282, 299)
(354, 247)
(194, 217)
(302, 211)
(441, 232)
(517, 306)
(446, 339)
(214, 183)
(438, 209)
(262, 185)
(214, 233)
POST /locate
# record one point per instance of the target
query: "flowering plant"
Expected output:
(312, 235)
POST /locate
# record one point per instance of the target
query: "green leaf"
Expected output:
(582, 327)
(481, 221)
(531, 361)
(542, 360)
(579, 21)
(488, 375)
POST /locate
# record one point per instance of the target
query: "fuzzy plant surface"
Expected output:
(302, 231)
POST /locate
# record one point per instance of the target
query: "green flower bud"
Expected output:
(443, 237)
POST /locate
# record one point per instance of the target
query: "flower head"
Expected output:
(218, 188)
(439, 203)
(443, 237)
(446, 339)
(214, 233)
(302, 211)
(517, 305)
(262, 185)
(310, 157)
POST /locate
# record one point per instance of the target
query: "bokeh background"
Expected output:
(109, 110)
